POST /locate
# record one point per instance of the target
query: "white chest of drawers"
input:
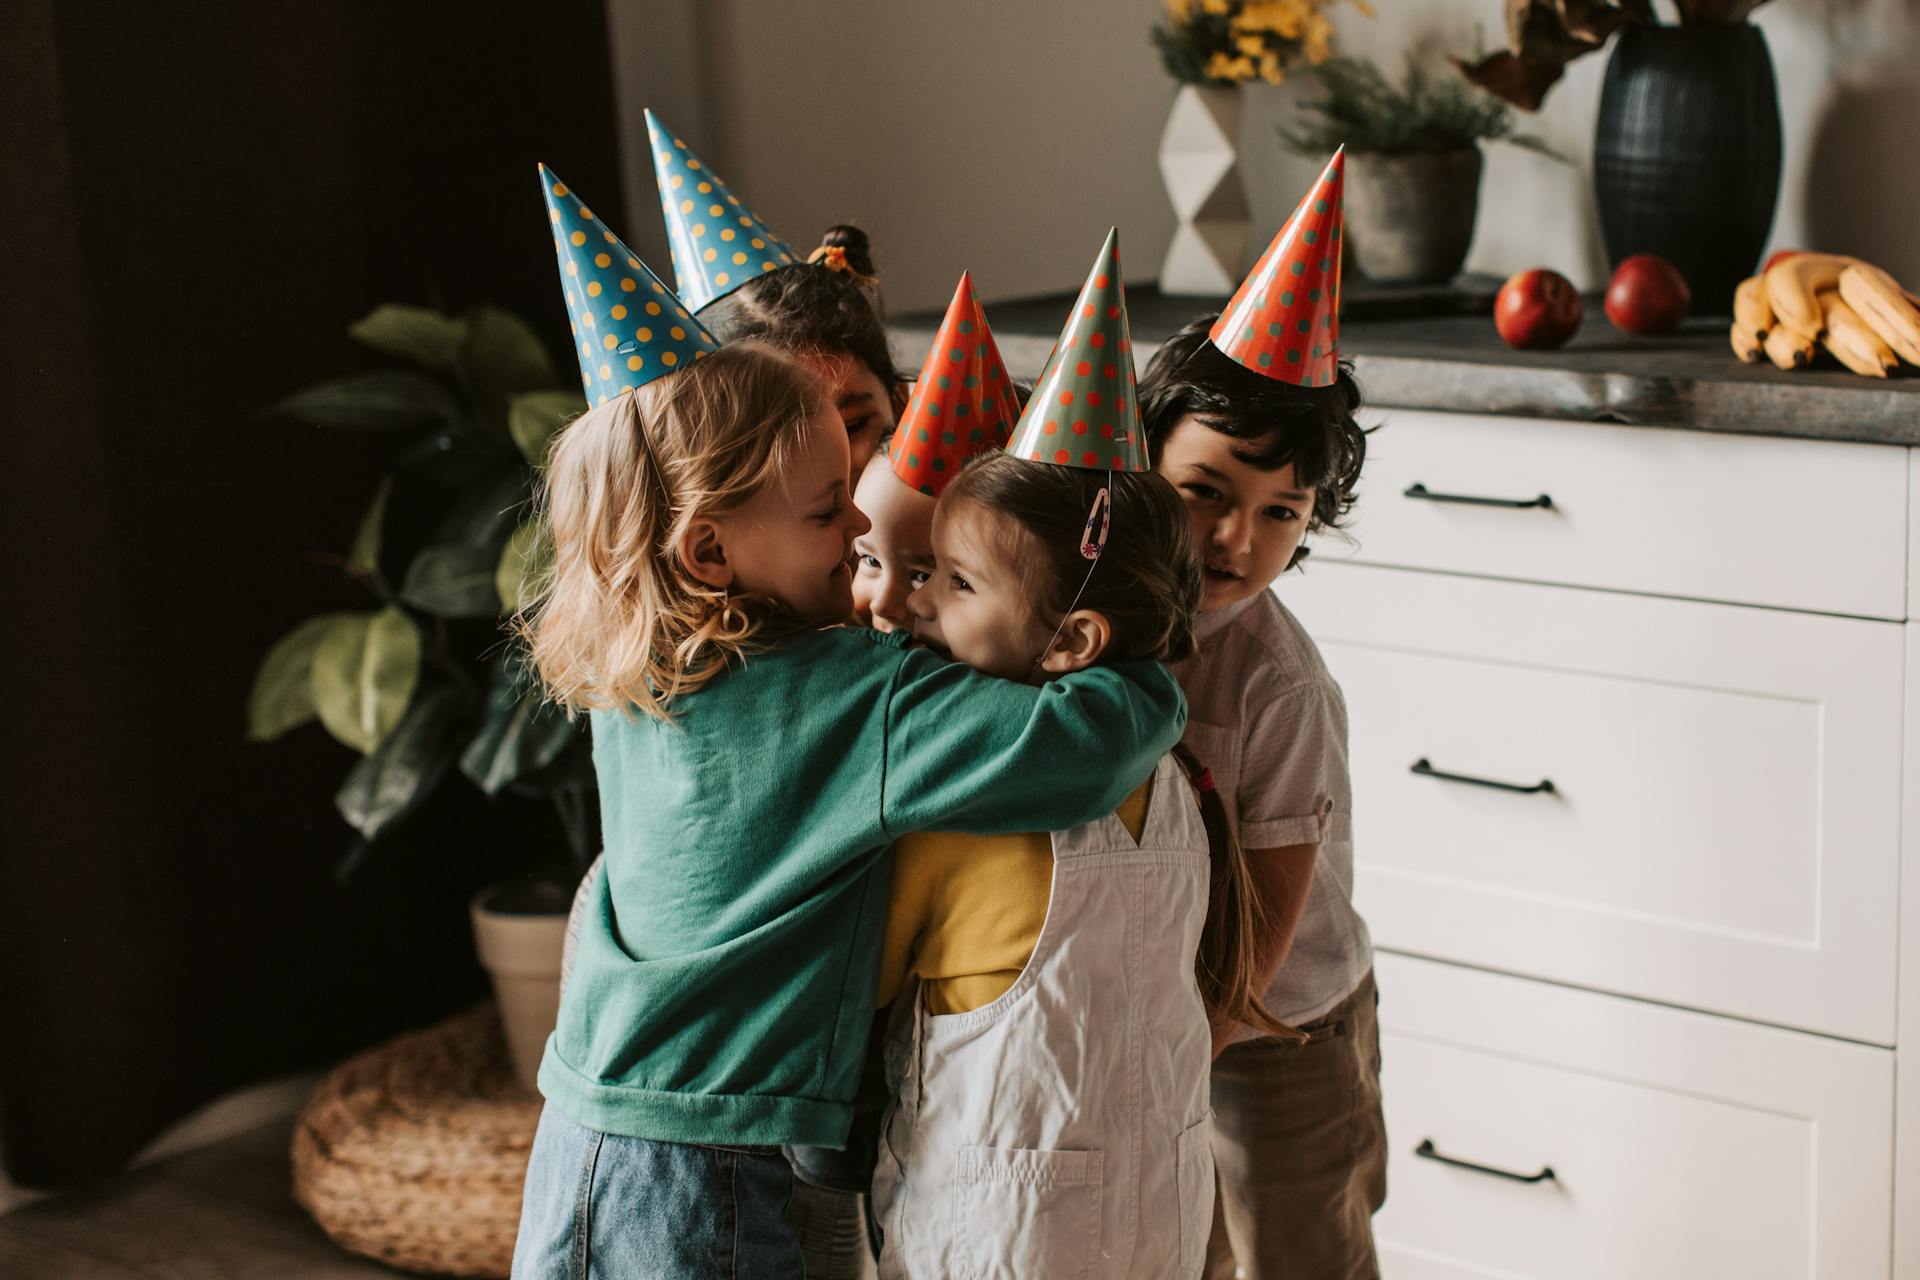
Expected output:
(1660, 952)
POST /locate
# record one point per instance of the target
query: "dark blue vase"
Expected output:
(1686, 155)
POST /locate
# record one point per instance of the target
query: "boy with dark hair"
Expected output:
(1250, 416)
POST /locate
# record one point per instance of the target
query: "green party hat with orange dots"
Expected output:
(962, 405)
(1284, 322)
(718, 244)
(1084, 412)
(628, 328)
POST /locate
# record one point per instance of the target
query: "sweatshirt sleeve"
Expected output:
(968, 752)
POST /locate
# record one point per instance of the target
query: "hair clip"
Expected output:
(1205, 781)
(1092, 543)
(834, 258)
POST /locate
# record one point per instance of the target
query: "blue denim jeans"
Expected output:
(602, 1207)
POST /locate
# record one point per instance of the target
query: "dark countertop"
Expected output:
(1458, 363)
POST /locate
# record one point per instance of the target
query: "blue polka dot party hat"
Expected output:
(718, 243)
(1284, 322)
(1084, 411)
(628, 328)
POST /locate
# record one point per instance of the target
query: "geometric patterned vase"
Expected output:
(1200, 163)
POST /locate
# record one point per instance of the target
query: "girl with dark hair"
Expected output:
(745, 282)
(826, 312)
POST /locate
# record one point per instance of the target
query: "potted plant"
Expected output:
(424, 682)
(1686, 154)
(1211, 48)
(1413, 163)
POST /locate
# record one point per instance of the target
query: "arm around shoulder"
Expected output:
(967, 752)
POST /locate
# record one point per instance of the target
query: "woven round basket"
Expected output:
(415, 1152)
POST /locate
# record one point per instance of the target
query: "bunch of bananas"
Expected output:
(1805, 301)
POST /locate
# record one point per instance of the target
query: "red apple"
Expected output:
(1647, 295)
(1537, 308)
(1779, 255)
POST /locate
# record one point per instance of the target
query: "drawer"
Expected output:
(1710, 812)
(1680, 1145)
(1795, 524)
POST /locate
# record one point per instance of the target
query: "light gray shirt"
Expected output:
(1266, 717)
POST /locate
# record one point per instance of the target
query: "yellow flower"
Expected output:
(1284, 18)
(1179, 11)
(1366, 10)
(1215, 7)
(1252, 46)
(1270, 69)
(1318, 40)
(1222, 67)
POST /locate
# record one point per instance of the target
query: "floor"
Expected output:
(221, 1212)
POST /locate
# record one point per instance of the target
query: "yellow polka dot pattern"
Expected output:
(615, 356)
(703, 275)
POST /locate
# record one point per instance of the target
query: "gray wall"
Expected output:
(1005, 135)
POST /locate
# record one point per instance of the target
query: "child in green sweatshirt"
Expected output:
(753, 768)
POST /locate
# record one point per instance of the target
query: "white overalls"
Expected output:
(1063, 1131)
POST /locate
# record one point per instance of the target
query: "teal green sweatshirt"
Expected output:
(724, 981)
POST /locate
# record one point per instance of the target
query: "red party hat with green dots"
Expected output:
(962, 405)
(1084, 412)
(1285, 320)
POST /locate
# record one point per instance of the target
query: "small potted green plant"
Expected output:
(1413, 166)
(424, 684)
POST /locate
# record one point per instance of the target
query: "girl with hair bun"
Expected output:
(826, 311)
(746, 282)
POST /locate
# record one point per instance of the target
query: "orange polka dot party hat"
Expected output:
(1084, 412)
(1285, 320)
(718, 244)
(962, 405)
(628, 328)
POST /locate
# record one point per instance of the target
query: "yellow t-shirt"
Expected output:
(967, 911)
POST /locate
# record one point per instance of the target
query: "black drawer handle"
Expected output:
(1426, 1151)
(1543, 502)
(1425, 769)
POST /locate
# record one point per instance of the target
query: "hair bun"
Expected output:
(853, 242)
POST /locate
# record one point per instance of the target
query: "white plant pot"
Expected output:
(1200, 163)
(520, 934)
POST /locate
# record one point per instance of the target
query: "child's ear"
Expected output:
(702, 555)
(1083, 637)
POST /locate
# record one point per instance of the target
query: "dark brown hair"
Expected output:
(1277, 422)
(1147, 582)
(811, 310)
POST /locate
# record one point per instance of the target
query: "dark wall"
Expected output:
(197, 198)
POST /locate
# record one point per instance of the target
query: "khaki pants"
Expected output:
(1300, 1151)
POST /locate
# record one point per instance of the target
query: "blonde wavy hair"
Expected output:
(619, 622)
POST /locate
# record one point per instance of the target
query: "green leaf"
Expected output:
(453, 576)
(524, 565)
(535, 417)
(394, 780)
(364, 673)
(365, 554)
(453, 581)
(282, 696)
(419, 335)
(502, 358)
(521, 732)
(382, 400)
